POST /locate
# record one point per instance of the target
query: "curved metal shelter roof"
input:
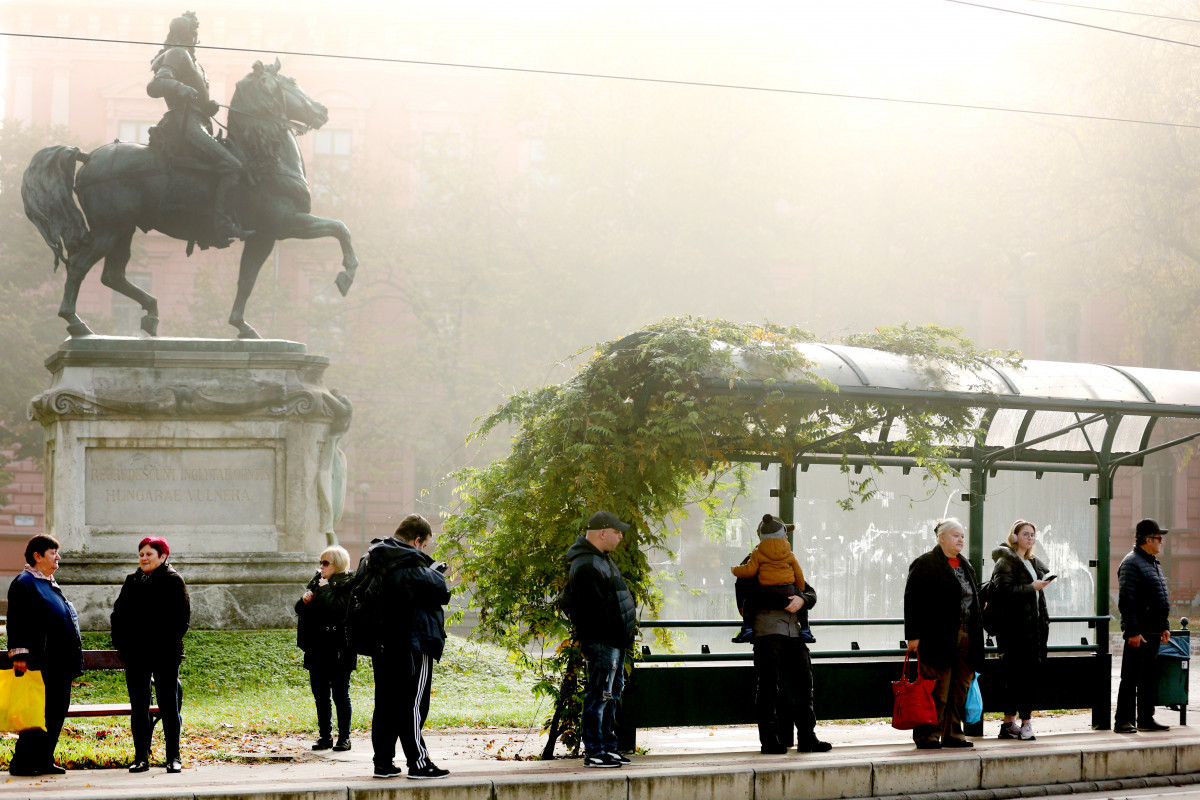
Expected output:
(1042, 410)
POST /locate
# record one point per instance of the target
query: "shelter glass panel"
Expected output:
(1046, 422)
(1129, 434)
(1174, 387)
(1074, 382)
(1006, 422)
(856, 560)
(1059, 506)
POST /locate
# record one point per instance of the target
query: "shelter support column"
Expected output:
(977, 496)
(787, 495)
(1101, 716)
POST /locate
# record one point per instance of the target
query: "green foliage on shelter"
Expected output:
(651, 423)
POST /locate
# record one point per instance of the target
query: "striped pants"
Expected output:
(402, 684)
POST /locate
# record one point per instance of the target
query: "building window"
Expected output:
(131, 131)
(331, 164)
(127, 314)
(332, 143)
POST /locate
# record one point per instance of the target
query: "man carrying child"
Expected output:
(782, 669)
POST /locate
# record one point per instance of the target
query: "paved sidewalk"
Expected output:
(697, 763)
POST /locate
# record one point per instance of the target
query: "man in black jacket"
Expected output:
(602, 610)
(412, 628)
(1144, 605)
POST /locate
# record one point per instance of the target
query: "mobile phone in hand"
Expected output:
(1049, 577)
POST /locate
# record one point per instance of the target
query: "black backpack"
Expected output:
(364, 611)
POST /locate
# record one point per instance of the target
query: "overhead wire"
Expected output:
(658, 81)
(1073, 22)
(1114, 10)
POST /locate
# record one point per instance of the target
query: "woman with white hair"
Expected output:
(322, 637)
(944, 627)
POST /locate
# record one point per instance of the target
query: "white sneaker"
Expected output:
(1027, 730)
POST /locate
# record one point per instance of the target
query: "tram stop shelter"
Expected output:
(1042, 417)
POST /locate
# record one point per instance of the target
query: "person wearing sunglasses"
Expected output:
(1144, 604)
(322, 637)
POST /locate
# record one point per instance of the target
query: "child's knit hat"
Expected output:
(772, 528)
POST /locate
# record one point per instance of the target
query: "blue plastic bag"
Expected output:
(974, 709)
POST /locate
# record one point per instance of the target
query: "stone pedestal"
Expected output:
(228, 449)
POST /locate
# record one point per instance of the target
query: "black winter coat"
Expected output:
(1143, 600)
(1022, 609)
(601, 606)
(932, 602)
(150, 617)
(413, 593)
(320, 627)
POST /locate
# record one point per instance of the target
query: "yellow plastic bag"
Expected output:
(22, 701)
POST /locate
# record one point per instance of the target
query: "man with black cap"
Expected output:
(1144, 605)
(602, 610)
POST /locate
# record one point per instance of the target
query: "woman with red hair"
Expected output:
(149, 619)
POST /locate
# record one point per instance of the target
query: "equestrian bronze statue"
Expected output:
(173, 186)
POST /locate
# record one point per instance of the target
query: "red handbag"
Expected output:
(913, 702)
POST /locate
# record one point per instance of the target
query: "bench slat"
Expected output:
(104, 710)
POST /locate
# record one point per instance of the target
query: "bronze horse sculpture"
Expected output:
(124, 186)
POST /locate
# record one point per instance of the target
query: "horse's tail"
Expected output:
(48, 191)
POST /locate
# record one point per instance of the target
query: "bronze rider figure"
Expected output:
(180, 80)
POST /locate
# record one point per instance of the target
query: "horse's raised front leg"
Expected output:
(78, 266)
(306, 226)
(114, 278)
(255, 252)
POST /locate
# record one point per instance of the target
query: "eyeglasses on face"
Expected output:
(324, 563)
(1153, 538)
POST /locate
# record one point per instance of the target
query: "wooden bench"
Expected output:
(105, 660)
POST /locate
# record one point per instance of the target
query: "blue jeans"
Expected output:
(605, 681)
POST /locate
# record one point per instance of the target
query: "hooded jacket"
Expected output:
(932, 606)
(150, 616)
(601, 606)
(774, 564)
(412, 596)
(1025, 622)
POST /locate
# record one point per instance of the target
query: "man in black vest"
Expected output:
(602, 611)
(1144, 605)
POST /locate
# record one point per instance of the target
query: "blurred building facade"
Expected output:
(419, 116)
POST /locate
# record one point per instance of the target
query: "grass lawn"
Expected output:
(244, 690)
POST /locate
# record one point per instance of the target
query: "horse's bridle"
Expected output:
(297, 128)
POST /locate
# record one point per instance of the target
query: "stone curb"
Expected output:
(1078, 787)
(984, 774)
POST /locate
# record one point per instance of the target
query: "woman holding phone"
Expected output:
(1018, 579)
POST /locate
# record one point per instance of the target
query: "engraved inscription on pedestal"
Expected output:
(210, 486)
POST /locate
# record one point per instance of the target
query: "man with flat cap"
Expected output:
(1144, 605)
(602, 610)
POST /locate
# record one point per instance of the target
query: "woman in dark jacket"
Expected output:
(944, 627)
(43, 634)
(149, 619)
(1017, 582)
(322, 637)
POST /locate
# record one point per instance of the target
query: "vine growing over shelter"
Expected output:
(644, 428)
